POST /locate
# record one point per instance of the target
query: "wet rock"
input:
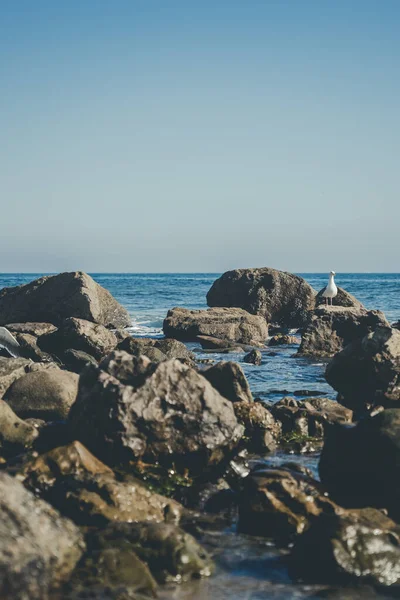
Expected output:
(12, 369)
(76, 360)
(360, 465)
(230, 381)
(332, 328)
(355, 546)
(283, 340)
(57, 297)
(38, 548)
(210, 497)
(171, 554)
(233, 324)
(262, 431)
(88, 492)
(35, 329)
(280, 504)
(254, 357)
(30, 349)
(311, 417)
(281, 298)
(168, 413)
(92, 338)
(142, 347)
(343, 299)
(367, 371)
(16, 435)
(47, 394)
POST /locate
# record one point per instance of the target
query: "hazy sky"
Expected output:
(199, 135)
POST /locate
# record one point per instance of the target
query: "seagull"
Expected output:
(331, 290)
(8, 343)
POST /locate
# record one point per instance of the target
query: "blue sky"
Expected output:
(163, 135)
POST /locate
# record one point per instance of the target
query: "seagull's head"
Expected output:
(333, 273)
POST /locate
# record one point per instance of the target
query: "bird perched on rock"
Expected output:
(8, 344)
(331, 290)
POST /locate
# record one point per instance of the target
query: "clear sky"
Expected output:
(188, 135)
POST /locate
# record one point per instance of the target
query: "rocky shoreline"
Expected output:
(129, 467)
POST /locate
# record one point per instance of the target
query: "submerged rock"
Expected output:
(129, 409)
(277, 296)
(230, 381)
(57, 297)
(232, 324)
(367, 371)
(46, 395)
(354, 546)
(331, 328)
(38, 548)
(171, 554)
(254, 357)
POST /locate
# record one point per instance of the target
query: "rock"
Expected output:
(12, 369)
(343, 299)
(35, 329)
(44, 395)
(283, 340)
(396, 325)
(332, 328)
(174, 349)
(171, 554)
(254, 357)
(261, 429)
(355, 546)
(87, 491)
(15, 434)
(208, 342)
(138, 347)
(30, 349)
(230, 381)
(166, 413)
(38, 548)
(76, 360)
(360, 465)
(367, 371)
(309, 418)
(57, 297)
(232, 324)
(279, 297)
(280, 503)
(79, 334)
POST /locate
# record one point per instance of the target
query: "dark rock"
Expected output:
(313, 393)
(35, 329)
(261, 429)
(87, 491)
(280, 503)
(367, 371)
(204, 496)
(38, 548)
(16, 435)
(208, 342)
(57, 297)
(281, 298)
(233, 324)
(283, 340)
(92, 338)
(171, 554)
(332, 328)
(254, 357)
(165, 413)
(230, 381)
(360, 465)
(358, 545)
(12, 369)
(309, 418)
(142, 347)
(47, 394)
(343, 298)
(396, 325)
(174, 349)
(76, 360)
(30, 349)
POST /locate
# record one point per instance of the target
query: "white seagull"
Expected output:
(331, 289)
(9, 343)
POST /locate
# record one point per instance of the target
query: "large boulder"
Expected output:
(230, 381)
(355, 546)
(367, 371)
(233, 324)
(57, 297)
(129, 409)
(47, 394)
(343, 298)
(360, 465)
(78, 334)
(38, 548)
(331, 328)
(12, 369)
(277, 296)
